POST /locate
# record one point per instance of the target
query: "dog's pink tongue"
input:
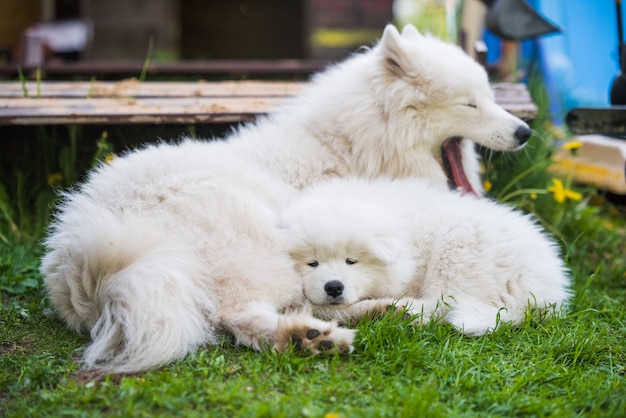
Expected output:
(452, 152)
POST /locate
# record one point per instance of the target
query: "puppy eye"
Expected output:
(313, 263)
(350, 261)
(472, 105)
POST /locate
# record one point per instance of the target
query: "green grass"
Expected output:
(567, 367)
(572, 366)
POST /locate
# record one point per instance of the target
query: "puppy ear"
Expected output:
(395, 58)
(386, 248)
(410, 32)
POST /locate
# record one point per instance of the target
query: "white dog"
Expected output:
(360, 245)
(163, 248)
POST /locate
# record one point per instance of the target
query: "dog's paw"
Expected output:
(332, 339)
(315, 336)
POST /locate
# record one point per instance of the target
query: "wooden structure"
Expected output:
(133, 102)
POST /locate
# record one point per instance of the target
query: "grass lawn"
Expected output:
(566, 367)
(572, 366)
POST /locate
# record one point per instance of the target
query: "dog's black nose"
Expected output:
(522, 134)
(333, 288)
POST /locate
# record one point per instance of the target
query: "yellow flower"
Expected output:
(572, 145)
(109, 158)
(572, 195)
(560, 193)
(331, 415)
(487, 185)
(533, 196)
(557, 190)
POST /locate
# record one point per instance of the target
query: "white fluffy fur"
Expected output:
(470, 260)
(162, 248)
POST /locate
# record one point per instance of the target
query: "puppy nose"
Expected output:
(522, 134)
(333, 288)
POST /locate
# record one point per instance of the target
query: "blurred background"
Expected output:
(566, 51)
(577, 63)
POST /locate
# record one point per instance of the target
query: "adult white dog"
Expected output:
(163, 248)
(362, 244)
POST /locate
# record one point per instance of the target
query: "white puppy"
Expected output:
(362, 246)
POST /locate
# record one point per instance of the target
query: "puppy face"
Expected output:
(342, 273)
(346, 246)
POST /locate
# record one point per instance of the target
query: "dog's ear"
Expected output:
(386, 248)
(410, 32)
(396, 59)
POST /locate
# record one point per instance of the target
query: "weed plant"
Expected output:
(546, 367)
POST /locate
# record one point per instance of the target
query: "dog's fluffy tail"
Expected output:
(130, 284)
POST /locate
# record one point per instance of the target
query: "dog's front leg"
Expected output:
(262, 327)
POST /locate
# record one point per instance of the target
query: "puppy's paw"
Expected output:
(312, 335)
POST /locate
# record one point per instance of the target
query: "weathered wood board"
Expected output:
(136, 88)
(131, 101)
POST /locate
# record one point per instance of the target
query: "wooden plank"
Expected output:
(511, 92)
(524, 111)
(198, 102)
(246, 88)
(504, 92)
(136, 88)
(28, 111)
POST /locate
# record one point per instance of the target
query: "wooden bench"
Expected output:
(133, 102)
